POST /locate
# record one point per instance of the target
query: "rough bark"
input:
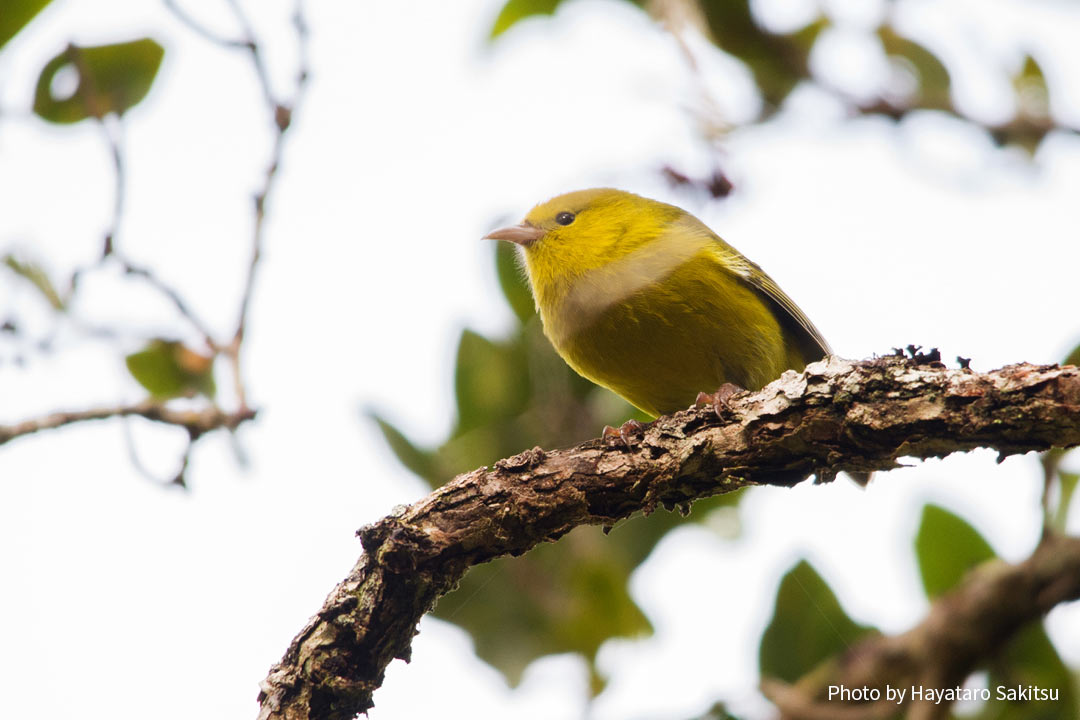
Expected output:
(837, 415)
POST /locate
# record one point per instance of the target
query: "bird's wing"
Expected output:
(811, 342)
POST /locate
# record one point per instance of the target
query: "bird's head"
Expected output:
(573, 234)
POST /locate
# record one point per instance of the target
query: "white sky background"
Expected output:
(121, 599)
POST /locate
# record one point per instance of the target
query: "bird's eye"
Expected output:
(564, 218)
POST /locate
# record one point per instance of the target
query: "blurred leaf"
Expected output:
(36, 276)
(168, 369)
(489, 382)
(778, 62)
(947, 547)
(418, 461)
(1029, 658)
(515, 10)
(933, 77)
(1068, 483)
(808, 626)
(1073, 357)
(717, 712)
(1032, 94)
(111, 79)
(512, 281)
(15, 14)
(568, 596)
(564, 597)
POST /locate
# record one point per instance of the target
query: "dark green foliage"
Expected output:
(947, 547)
(808, 626)
(1028, 659)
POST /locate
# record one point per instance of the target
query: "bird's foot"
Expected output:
(624, 433)
(719, 399)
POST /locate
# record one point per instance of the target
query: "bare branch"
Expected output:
(249, 43)
(196, 26)
(174, 297)
(111, 128)
(196, 422)
(179, 478)
(282, 115)
(837, 415)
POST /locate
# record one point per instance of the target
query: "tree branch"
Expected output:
(837, 415)
(196, 422)
(964, 626)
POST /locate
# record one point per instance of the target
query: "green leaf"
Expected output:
(37, 277)
(111, 79)
(947, 547)
(933, 77)
(490, 382)
(168, 369)
(512, 281)
(415, 459)
(16, 14)
(516, 10)
(808, 626)
(1029, 658)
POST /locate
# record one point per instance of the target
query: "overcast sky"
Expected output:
(125, 600)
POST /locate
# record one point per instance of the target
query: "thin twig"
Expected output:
(178, 477)
(196, 422)
(252, 46)
(193, 24)
(112, 129)
(282, 113)
(174, 297)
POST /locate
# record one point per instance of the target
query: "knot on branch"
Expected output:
(395, 545)
(522, 461)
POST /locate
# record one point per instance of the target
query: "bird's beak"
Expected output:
(523, 234)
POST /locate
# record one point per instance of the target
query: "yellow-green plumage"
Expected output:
(642, 298)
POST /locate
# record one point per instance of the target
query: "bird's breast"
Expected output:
(657, 334)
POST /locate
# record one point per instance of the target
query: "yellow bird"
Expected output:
(642, 298)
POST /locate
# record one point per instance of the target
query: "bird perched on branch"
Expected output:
(642, 298)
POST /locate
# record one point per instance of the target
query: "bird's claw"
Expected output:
(719, 399)
(623, 433)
